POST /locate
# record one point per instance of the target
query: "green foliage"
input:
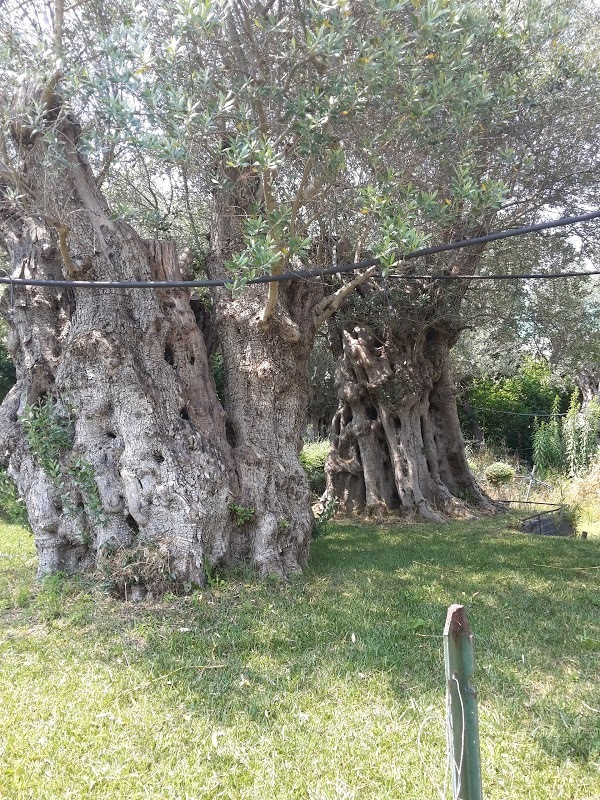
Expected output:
(313, 457)
(11, 507)
(548, 451)
(499, 473)
(49, 429)
(269, 242)
(568, 445)
(355, 94)
(241, 514)
(505, 407)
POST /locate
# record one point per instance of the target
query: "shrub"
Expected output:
(567, 444)
(504, 406)
(313, 458)
(548, 444)
(499, 473)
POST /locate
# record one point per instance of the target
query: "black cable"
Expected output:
(369, 262)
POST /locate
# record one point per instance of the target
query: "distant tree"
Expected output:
(396, 439)
(555, 322)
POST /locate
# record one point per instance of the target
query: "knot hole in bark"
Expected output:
(133, 526)
(169, 357)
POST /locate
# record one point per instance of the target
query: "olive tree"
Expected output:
(265, 136)
(520, 147)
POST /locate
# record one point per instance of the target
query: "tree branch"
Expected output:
(62, 231)
(299, 199)
(329, 305)
(59, 20)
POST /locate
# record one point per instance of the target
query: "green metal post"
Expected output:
(462, 726)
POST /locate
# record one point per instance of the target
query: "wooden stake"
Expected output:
(462, 726)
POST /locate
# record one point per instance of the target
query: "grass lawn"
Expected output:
(331, 686)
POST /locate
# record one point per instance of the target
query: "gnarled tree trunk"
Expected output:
(144, 458)
(267, 392)
(396, 443)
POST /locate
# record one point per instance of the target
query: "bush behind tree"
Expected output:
(567, 445)
(313, 458)
(499, 473)
(499, 402)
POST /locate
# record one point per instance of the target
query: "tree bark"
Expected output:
(589, 383)
(126, 371)
(396, 443)
(267, 392)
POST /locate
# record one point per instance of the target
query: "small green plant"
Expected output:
(50, 432)
(548, 447)
(283, 525)
(242, 514)
(321, 523)
(214, 579)
(568, 445)
(499, 473)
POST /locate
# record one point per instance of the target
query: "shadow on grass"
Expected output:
(371, 607)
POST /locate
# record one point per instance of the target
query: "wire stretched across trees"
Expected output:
(344, 268)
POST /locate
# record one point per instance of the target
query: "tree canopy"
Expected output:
(261, 136)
